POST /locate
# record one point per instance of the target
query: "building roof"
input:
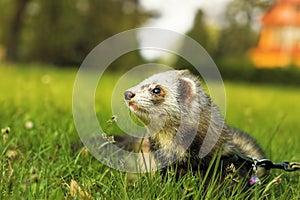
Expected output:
(284, 12)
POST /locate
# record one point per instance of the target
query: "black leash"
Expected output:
(267, 164)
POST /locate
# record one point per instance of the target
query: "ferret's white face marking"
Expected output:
(155, 99)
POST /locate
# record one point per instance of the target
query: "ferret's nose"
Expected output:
(128, 95)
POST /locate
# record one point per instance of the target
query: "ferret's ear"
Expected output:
(184, 72)
(186, 90)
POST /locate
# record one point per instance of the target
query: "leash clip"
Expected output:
(254, 179)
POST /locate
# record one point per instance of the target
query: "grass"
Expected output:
(41, 156)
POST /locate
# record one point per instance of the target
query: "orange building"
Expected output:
(279, 42)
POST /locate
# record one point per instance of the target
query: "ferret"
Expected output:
(182, 121)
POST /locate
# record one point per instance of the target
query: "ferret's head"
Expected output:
(157, 101)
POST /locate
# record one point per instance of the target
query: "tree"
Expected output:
(14, 30)
(244, 12)
(235, 41)
(199, 32)
(239, 34)
(64, 32)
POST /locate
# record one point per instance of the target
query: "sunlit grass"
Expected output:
(270, 114)
(41, 155)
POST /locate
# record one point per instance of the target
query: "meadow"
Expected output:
(41, 155)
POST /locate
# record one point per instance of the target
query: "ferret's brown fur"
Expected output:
(184, 124)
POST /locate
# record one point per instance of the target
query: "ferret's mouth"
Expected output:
(132, 106)
(138, 111)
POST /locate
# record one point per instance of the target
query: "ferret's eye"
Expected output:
(156, 90)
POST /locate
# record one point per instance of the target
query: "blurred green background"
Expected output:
(62, 33)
